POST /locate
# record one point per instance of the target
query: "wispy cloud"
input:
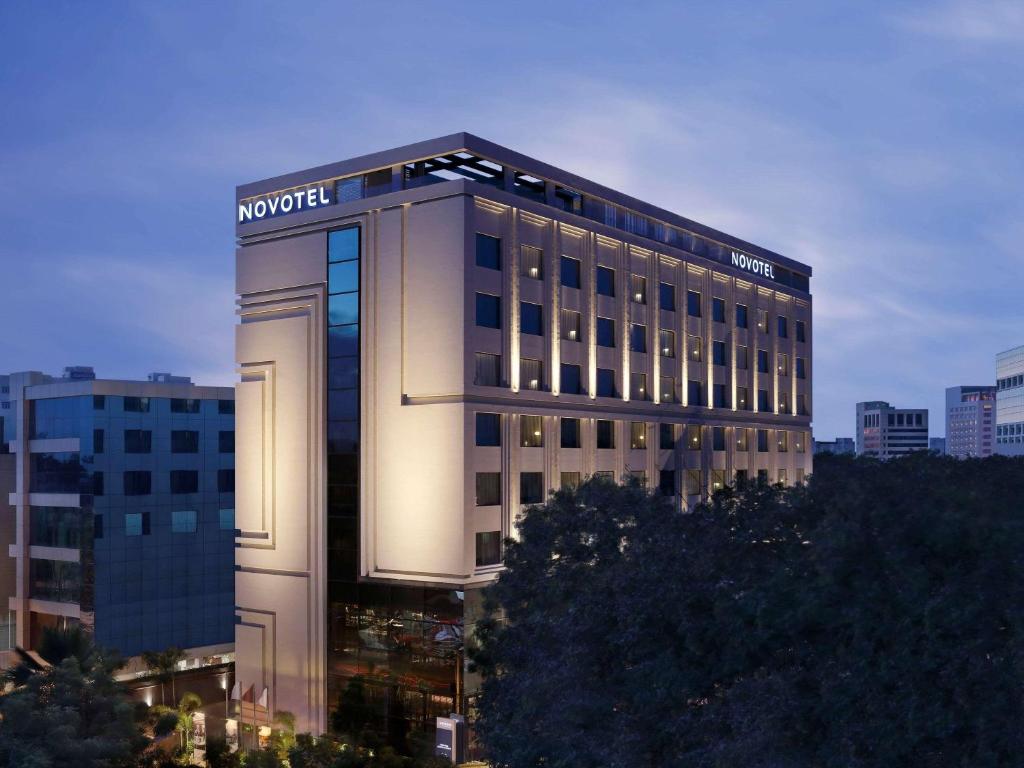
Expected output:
(972, 21)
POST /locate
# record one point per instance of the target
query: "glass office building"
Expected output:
(128, 505)
(432, 338)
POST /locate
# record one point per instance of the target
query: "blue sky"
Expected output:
(878, 142)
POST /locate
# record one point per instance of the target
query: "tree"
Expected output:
(219, 755)
(874, 617)
(164, 664)
(73, 713)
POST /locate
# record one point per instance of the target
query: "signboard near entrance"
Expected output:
(450, 738)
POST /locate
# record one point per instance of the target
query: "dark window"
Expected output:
(693, 303)
(97, 484)
(696, 393)
(488, 489)
(605, 281)
(718, 309)
(531, 487)
(570, 272)
(721, 396)
(718, 353)
(741, 316)
(136, 404)
(530, 318)
(488, 429)
(184, 441)
(762, 441)
(99, 402)
(718, 438)
(638, 338)
(571, 379)
(225, 407)
(570, 433)
(762, 361)
(138, 483)
(98, 443)
(184, 405)
(488, 251)
(667, 482)
(186, 480)
(488, 370)
(666, 437)
(488, 310)
(225, 481)
(605, 434)
(783, 327)
(138, 441)
(801, 331)
(56, 473)
(605, 382)
(97, 526)
(488, 548)
(801, 370)
(226, 441)
(762, 400)
(667, 296)
(605, 332)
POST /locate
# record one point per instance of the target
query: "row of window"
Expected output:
(531, 434)
(140, 482)
(182, 441)
(488, 255)
(1010, 381)
(531, 491)
(64, 526)
(531, 377)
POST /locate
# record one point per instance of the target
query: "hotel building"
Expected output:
(886, 432)
(970, 421)
(121, 511)
(1010, 402)
(433, 337)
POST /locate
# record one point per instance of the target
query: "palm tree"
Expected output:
(164, 664)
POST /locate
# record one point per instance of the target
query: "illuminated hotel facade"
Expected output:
(434, 336)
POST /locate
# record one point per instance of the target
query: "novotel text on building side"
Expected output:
(284, 202)
(750, 264)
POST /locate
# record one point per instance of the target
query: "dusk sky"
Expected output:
(879, 143)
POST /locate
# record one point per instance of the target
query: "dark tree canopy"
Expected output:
(871, 618)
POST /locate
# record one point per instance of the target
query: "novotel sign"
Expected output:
(750, 264)
(281, 203)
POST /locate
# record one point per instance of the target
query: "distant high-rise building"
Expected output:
(970, 418)
(1010, 402)
(124, 499)
(886, 432)
(840, 445)
(937, 445)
